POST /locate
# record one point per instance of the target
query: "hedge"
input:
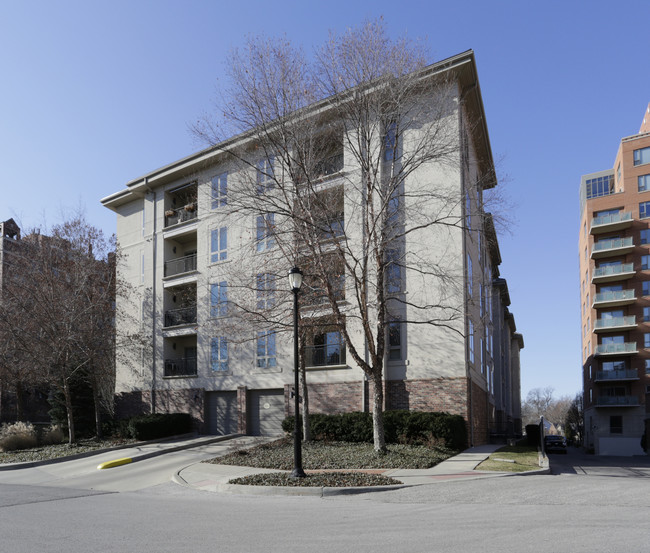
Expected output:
(158, 425)
(412, 427)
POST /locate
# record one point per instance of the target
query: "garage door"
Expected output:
(266, 412)
(221, 413)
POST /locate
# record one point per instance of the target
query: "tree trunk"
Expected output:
(68, 409)
(306, 433)
(379, 438)
(20, 403)
(98, 414)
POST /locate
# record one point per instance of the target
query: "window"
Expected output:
(266, 357)
(646, 314)
(645, 262)
(328, 349)
(614, 314)
(644, 210)
(264, 232)
(468, 210)
(393, 272)
(616, 424)
(645, 236)
(470, 275)
(471, 342)
(218, 299)
(390, 142)
(645, 288)
(646, 339)
(600, 186)
(618, 173)
(395, 340)
(606, 213)
(647, 366)
(219, 191)
(644, 183)
(219, 244)
(219, 354)
(265, 290)
(642, 156)
(265, 175)
(614, 366)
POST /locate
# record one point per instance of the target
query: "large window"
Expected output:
(218, 244)
(265, 175)
(328, 349)
(219, 190)
(645, 262)
(394, 340)
(265, 290)
(645, 288)
(219, 354)
(264, 232)
(645, 236)
(642, 156)
(644, 210)
(393, 271)
(644, 183)
(266, 355)
(219, 299)
(390, 142)
(600, 186)
(471, 342)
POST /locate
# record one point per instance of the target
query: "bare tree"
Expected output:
(369, 115)
(540, 402)
(58, 308)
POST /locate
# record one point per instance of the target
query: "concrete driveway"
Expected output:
(577, 462)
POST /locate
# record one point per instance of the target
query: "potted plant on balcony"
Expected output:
(190, 207)
(169, 213)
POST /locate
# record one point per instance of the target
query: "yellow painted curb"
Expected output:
(115, 463)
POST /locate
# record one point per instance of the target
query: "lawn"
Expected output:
(512, 459)
(57, 451)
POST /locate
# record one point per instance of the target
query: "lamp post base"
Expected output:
(298, 473)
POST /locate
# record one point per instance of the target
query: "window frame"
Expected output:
(219, 363)
(218, 299)
(219, 190)
(264, 232)
(221, 252)
(266, 344)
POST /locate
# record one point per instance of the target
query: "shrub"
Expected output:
(159, 425)
(408, 427)
(52, 435)
(20, 435)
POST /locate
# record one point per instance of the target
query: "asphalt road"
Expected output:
(585, 505)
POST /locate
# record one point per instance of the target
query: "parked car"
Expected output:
(555, 443)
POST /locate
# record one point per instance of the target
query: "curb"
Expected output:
(31, 464)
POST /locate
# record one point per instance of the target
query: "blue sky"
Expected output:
(95, 94)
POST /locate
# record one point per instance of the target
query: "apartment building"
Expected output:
(188, 249)
(614, 250)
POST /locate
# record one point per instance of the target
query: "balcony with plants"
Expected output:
(181, 205)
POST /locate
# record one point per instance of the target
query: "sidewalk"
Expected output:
(215, 478)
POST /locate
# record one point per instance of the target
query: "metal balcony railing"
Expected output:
(182, 316)
(181, 214)
(180, 265)
(326, 355)
(182, 366)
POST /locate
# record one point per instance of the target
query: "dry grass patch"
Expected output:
(512, 459)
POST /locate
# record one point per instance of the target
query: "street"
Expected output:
(600, 508)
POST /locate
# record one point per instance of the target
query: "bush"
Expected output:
(52, 435)
(20, 435)
(159, 425)
(407, 427)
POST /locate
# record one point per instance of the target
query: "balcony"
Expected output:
(181, 265)
(183, 214)
(610, 223)
(615, 323)
(619, 374)
(182, 316)
(616, 246)
(626, 348)
(180, 367)
(617, 401)
(613, 273)
(614, 298)
(330, 355)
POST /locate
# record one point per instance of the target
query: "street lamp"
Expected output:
(295, 281)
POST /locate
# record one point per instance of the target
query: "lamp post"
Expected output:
(295, 281)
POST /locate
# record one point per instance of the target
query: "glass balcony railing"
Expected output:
(614, 244)
(617, 401)
(611, 219)
(613, 270)
(618, 374)
(609, 349)
(615, 322)
(614, 296)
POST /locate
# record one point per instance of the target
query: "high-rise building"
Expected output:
(614, 250)
(193, 251)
